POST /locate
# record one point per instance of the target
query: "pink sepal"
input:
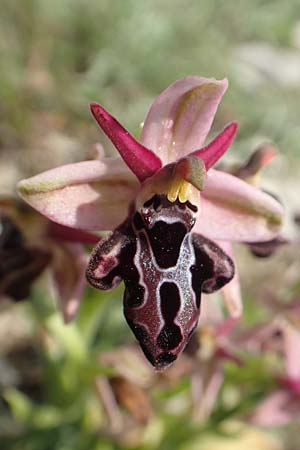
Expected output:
(89, 195)
(181, 117)
(232, 210)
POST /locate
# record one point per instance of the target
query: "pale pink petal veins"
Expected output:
(91, 195)
(235, 211)
(143, 162)
(181, 117)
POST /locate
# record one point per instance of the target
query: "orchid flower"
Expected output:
(166, 205)
(29, 244)
(20, 262)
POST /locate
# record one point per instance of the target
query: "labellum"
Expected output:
(164, 265)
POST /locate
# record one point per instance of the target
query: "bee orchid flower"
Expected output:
(167, 206)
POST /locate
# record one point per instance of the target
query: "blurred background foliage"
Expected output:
(55, 58)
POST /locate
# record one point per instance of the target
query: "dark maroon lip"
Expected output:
(165, 267)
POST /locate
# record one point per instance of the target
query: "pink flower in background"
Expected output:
(172, 207)
(29, 244)
(21, 262)
(282, 406)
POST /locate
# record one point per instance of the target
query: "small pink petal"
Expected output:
(143, 162)
(181, 117)
(236, 211)
(91, 195)
(216, 149)
(69, 266)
